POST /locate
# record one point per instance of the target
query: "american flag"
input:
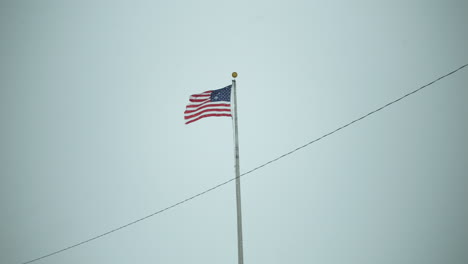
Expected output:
(209, 103)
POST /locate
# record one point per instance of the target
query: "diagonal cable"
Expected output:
(248, 172)
(355, 120)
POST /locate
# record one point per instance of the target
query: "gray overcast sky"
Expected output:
(92, 95)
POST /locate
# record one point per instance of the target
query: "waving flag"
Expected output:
(209, 103)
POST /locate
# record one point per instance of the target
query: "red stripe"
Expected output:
(202, 94)
(205, 106)
(203, 116)
(207, 110)
(198, 105)
(199, 100)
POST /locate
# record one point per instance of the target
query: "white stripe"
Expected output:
(191, 104)
(200, 97)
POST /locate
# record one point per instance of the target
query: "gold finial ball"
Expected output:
(234, 74)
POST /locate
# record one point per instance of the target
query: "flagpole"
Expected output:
(240, 250)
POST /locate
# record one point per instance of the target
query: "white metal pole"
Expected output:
(240, 250)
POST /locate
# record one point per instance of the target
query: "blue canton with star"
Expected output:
(223, 94)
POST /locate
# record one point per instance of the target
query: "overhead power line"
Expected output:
(248, 172)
